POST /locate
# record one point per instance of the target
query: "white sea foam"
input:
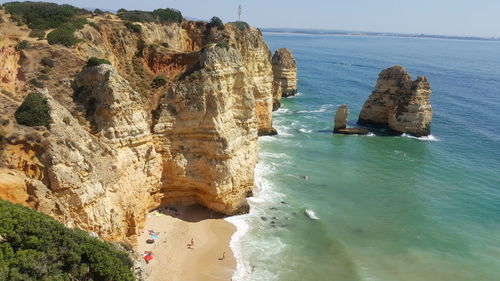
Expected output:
(426, 138)
(322, 108)
(306, 131)
(294, 96)
(263, 194)
(370, 134)
(311, 214)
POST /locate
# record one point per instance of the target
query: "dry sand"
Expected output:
(173, 260)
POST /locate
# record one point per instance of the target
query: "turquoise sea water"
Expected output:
(389, 208)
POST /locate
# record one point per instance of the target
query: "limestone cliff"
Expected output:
(117, 146)
(285, 76)
(399, 102)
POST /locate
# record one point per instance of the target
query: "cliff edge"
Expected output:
(172, 116)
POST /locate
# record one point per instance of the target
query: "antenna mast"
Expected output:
(239, 12)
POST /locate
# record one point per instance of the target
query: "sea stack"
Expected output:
(341, 118)
(399, 102)
(285, 76)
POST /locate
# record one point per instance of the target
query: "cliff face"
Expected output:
(118, 147)
(399, 102)
(285, 76)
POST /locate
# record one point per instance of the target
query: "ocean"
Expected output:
(386, 208)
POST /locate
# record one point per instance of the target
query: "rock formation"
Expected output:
(340, 123)
(285, 76)
(399, 102)
(118, 147)
(341, 118)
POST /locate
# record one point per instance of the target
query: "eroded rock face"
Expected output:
(117, 148)
(207, 134)
(285, 76)
(399, 102)
(341, 118)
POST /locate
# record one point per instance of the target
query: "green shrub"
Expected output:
(222, 45)
(241, 25)
(36, 247)
(216, 22)
(63, 35)
(43, 77)
(34, 111)
(158, 16)
(93, 61)
(43, 15)
(133, 27)
(137, 16)
(98, 12)
(48, 62)
(37, 33)
(121, 11)
(40, 16)
(168, 15)
(23, 45)
(36, 83)
(95, 26)
(158, 82)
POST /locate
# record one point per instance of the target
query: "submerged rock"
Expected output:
(285, 76)
(399, 102)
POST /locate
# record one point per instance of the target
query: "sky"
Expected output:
(439, 17)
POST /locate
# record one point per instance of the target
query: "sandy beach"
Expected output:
(208, 258)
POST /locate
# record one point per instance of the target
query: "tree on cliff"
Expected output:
(34, 246)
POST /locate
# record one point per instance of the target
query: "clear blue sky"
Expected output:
(443, 17)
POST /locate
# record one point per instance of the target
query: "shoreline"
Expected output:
(210, 258)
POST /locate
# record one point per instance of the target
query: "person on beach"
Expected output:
(223, 256)
(190, 245)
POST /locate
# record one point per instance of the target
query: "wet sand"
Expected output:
(172, 258)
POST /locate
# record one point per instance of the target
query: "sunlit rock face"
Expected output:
(399, 102)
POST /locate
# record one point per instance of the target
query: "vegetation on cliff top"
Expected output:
(241, 25)
(40, 16)
(216, 22)
(159, 16)
(93, 61)
(34, 111)
(34, 246)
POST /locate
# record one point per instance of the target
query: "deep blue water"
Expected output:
(389, 208)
